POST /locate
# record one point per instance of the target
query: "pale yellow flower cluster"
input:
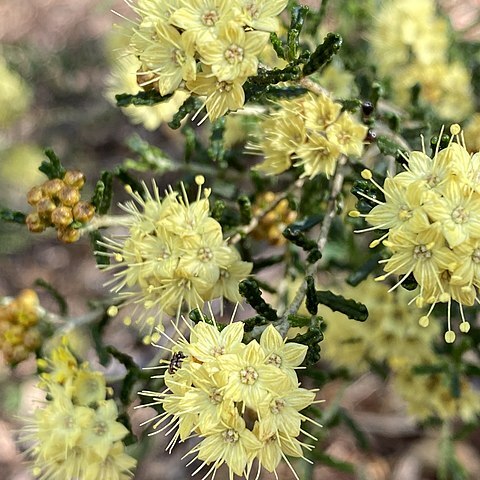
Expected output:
(410, 42)
(309, 132)
(207, 48)
(15, 95)
(174, 255)
(432, 216)
(75, 434)
(392, 336)
(19, 335)
(242, 402)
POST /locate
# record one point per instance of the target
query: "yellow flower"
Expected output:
(103, 430)
(234, 53)
(393, 334)
(320, 112)
(202, 18)
(70, 439)
(430, 395)
(222, 95)
(317, 155)
(172, 257)
(88, 387)
(284, 356)
(19, 335)
(219, 390)
(155, 10)
(249, 378)
(170, 57)
(347, 134)
(262, 14)
(123, 79)
(231, 443)
(432, 230)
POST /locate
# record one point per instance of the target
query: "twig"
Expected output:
(106, 221)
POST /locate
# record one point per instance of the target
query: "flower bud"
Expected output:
(62, 217)
(83, 212)
(53, 187)
(34, 195)
(68, 235)
(74, 178)
(34, 223)
(45, 207)
(69, 196)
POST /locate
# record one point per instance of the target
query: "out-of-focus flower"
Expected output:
(431, 214)
(15, 95)
(19, 335)
(271, 225)
(75, 434)
(390, 334)
(173, 256)
(242, 401)
(410, 42)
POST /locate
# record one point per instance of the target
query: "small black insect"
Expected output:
(176, 362)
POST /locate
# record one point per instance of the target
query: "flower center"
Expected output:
(100, 428)
(234, 54)
(215, 396)
(421, 251)
(230, 436)
(277, 406)
(252, 10)
(224, 273)
(275, 360)
(178, 56)
(224, 87)
(210, 18)
(217, 351)
(460, 215)
(248, 375)
(476, 256)
(204, 254)
(68, 422)
(404, 213)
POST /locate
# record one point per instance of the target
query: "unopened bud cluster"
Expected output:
(19, 335)
(58, 204)
(75, 433)
(271, 224)
(243, 402)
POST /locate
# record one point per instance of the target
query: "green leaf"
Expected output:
(249, 289)
(128, 179)
(52, 167)
(298, 19)
(12, 216)
(142, 98)
(150, 158)
(323, 53)
(102, 195)
(364, 271)
(337, 303)
(277, 45)
(189, 105)
(245, 208)
(388, 146)
(95, 240)
(216, 150)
